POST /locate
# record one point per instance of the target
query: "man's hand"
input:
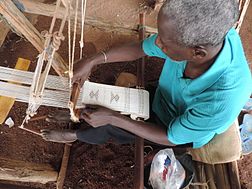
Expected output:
(97, 116)
(82, 70)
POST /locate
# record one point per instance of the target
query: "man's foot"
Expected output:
(59, 116)
(60, 136)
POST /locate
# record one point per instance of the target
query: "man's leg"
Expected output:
(91, 135)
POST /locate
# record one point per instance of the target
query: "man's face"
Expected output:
(166, 40)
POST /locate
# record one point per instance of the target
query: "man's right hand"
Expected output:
(82, 70)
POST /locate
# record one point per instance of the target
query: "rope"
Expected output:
(71, 104)
(83, 14)
(54, 16)
(74, 39)
(39, 80)
(69, 42)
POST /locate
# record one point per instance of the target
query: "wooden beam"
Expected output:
(12, 186)
(6, 103)
(21, 171)
(33, 7)
(4, 30)
(23, 27)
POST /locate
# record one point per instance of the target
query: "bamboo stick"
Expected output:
(221, 176)
(226, 175)
(234, 175)
(210, 176)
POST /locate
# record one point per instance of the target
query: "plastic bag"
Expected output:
(246, 134)
(248, 105)
(166, 171)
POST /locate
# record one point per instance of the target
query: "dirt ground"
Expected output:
(107, 166)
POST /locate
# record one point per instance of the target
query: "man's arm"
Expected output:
(128, 52)
(148, 131)
(97, 116)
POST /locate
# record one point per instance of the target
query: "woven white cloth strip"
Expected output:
(134, 102)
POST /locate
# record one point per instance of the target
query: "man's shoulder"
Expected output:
(151, 49)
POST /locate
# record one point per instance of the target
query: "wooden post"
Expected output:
(139, 143)
(20, 171)
(34, 7)
(22, 26)
(64, 165)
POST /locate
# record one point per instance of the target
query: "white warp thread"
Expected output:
(134, 102)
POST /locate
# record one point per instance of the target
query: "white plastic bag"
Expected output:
(248, 105)
(166, 171)
(246, 134)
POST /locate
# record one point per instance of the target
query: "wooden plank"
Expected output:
(33, 7)
(23, 27)
(20, 171)
(4, 30)
(6, 103)
(12, 186)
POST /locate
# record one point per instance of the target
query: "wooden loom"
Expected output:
(21, 25)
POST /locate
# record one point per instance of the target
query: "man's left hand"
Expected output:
(97, 116)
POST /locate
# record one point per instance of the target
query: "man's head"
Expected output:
(190, 29)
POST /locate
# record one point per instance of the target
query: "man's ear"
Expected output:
(199, 52)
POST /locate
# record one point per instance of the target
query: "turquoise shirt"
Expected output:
(195, 110)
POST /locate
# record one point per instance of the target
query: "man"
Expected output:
(204, 83)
